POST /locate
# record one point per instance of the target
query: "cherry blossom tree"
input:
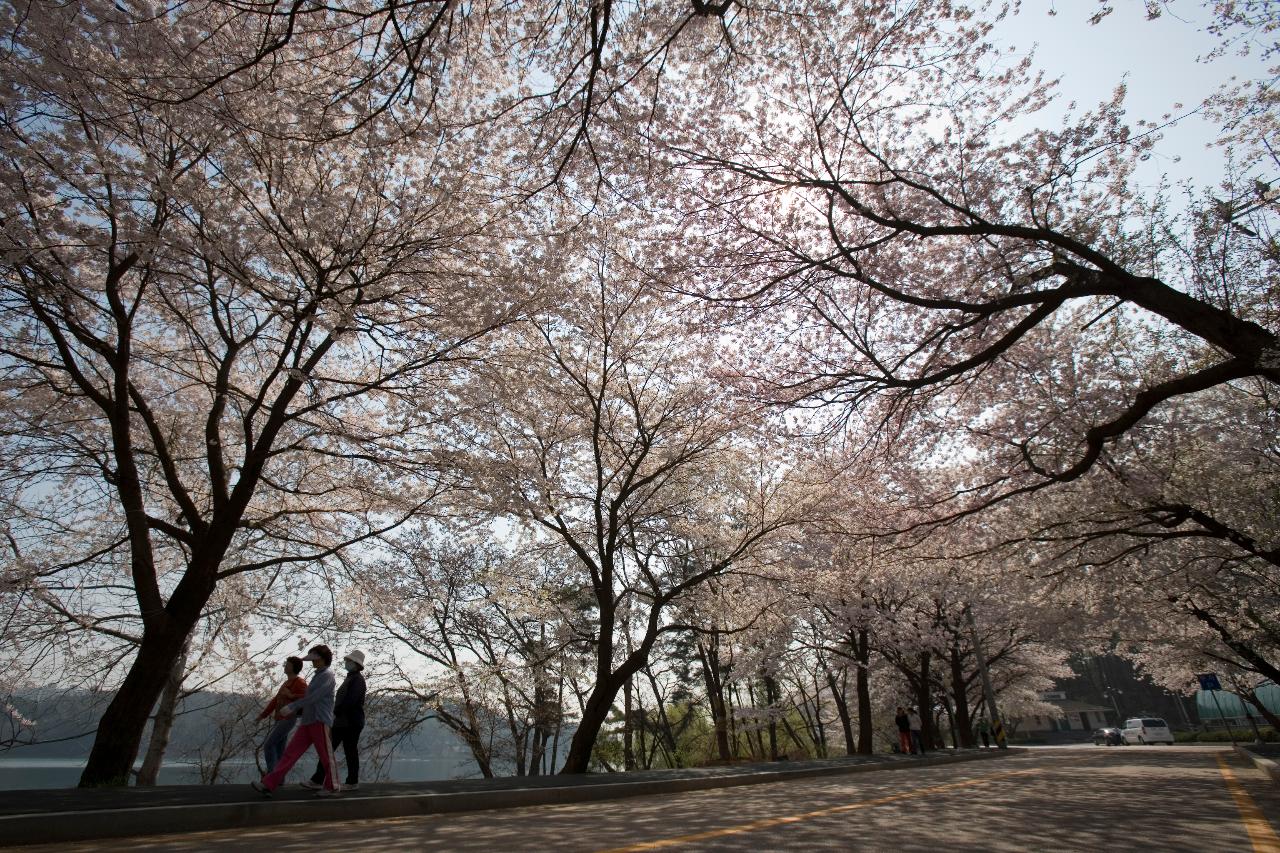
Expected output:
(220, 343)
(601, 432)
(476, 634)
(923, 260)
(1183, 530)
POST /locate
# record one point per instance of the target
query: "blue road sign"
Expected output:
(1209, 681)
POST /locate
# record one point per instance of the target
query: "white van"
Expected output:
(1146, 730)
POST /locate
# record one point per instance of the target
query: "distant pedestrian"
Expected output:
(348, 721)
(294, 688)
(903, 723)
(313, 727)
(917, 731)
(984, 731)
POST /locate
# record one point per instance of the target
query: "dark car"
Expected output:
(1107, 737)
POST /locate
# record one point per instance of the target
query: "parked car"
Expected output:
(1109, 736)
(1146, 730)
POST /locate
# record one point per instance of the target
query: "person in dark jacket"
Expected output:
(348, 721)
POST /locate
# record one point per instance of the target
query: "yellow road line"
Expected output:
(767, 823)
(1260, 832)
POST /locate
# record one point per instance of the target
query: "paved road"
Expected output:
(1086, 799)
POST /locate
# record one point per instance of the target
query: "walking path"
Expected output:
(76, 814)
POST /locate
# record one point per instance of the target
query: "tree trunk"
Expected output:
(710, 660)
(960, 698)
(162, 725)
(628, 750)
(555, 739)
(537, 748)
(842, 708)
(924, 703)
(1245, 650)
(667, 734)
(1251, 697)
(120, 729)
(470, 734)
(731, 701)
(594, 713)
(642, 717)
(820, 734)
(795, 738)
(758, 751)
(951, 720)
(863, 683)
(770, 696)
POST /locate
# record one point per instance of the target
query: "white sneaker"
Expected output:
(325, 792)
(351, 786)
(311, 786)
(260, 788)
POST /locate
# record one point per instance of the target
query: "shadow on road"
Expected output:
(1155, 798)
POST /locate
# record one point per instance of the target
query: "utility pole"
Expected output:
(988, 694)
(1111, 694)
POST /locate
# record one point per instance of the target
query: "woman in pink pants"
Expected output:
(316, 708)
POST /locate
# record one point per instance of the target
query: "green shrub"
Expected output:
(1242, 734)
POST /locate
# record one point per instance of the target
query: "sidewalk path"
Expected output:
(75, 814)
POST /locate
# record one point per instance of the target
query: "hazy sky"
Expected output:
(1156, 59)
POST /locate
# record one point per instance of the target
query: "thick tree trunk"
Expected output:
(594, 712)
(924, 703)
(628, 750)
(162, 725)
(960, 698)
(866, 744)
(120, 729)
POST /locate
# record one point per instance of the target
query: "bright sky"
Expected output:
(1156, 59)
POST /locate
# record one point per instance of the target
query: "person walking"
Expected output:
(917, 731)
(294, 687)
(348, 721)
(984, 732)
(316, 719)
(904, 730)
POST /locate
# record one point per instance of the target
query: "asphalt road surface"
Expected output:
(1155, 798)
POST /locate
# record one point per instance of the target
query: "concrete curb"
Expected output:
(1263, 763)
(87, 825)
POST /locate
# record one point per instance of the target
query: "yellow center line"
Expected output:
(768, 823)
(1261, 834)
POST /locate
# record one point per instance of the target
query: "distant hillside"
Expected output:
(66, 721)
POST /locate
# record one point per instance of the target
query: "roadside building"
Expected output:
(1069, 715)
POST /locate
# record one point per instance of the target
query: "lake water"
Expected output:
(22, 773)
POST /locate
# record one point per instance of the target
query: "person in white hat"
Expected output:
(348, 722)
